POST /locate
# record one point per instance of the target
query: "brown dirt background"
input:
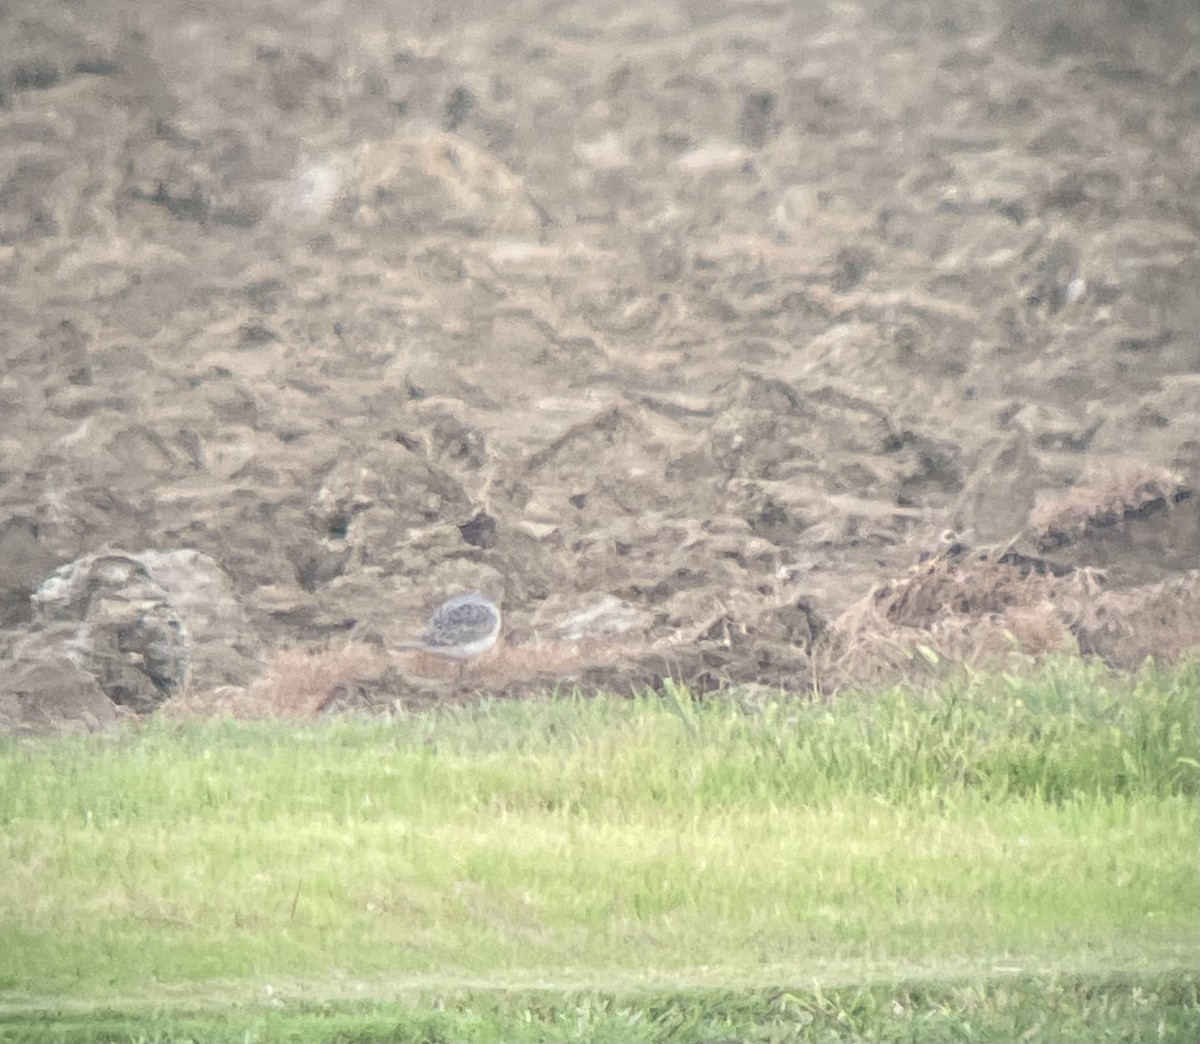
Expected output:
(757, 342)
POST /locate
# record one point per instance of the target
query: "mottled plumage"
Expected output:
(461, 629)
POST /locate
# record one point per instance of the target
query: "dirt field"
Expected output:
(690, 330)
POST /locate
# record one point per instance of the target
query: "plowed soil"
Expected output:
(687, 329)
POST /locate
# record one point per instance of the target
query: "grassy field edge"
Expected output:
(1155, 1006)
(999, 858)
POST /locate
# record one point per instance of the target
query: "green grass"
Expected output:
(1014, 1009)
(1003, 858)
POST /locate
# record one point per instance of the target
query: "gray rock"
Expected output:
(46, 691)
(128, 635)
(139, 628)
(220, 639)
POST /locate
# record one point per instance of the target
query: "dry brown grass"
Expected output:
(302, 683)
(1160, 620)
(515, 671)
(295, 684)
(975, 607)
(984, 607)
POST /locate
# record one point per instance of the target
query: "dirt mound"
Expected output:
(982, 607)
(714, 317)
(1137, 529)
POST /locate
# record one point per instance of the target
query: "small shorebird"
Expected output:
(461, 629)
